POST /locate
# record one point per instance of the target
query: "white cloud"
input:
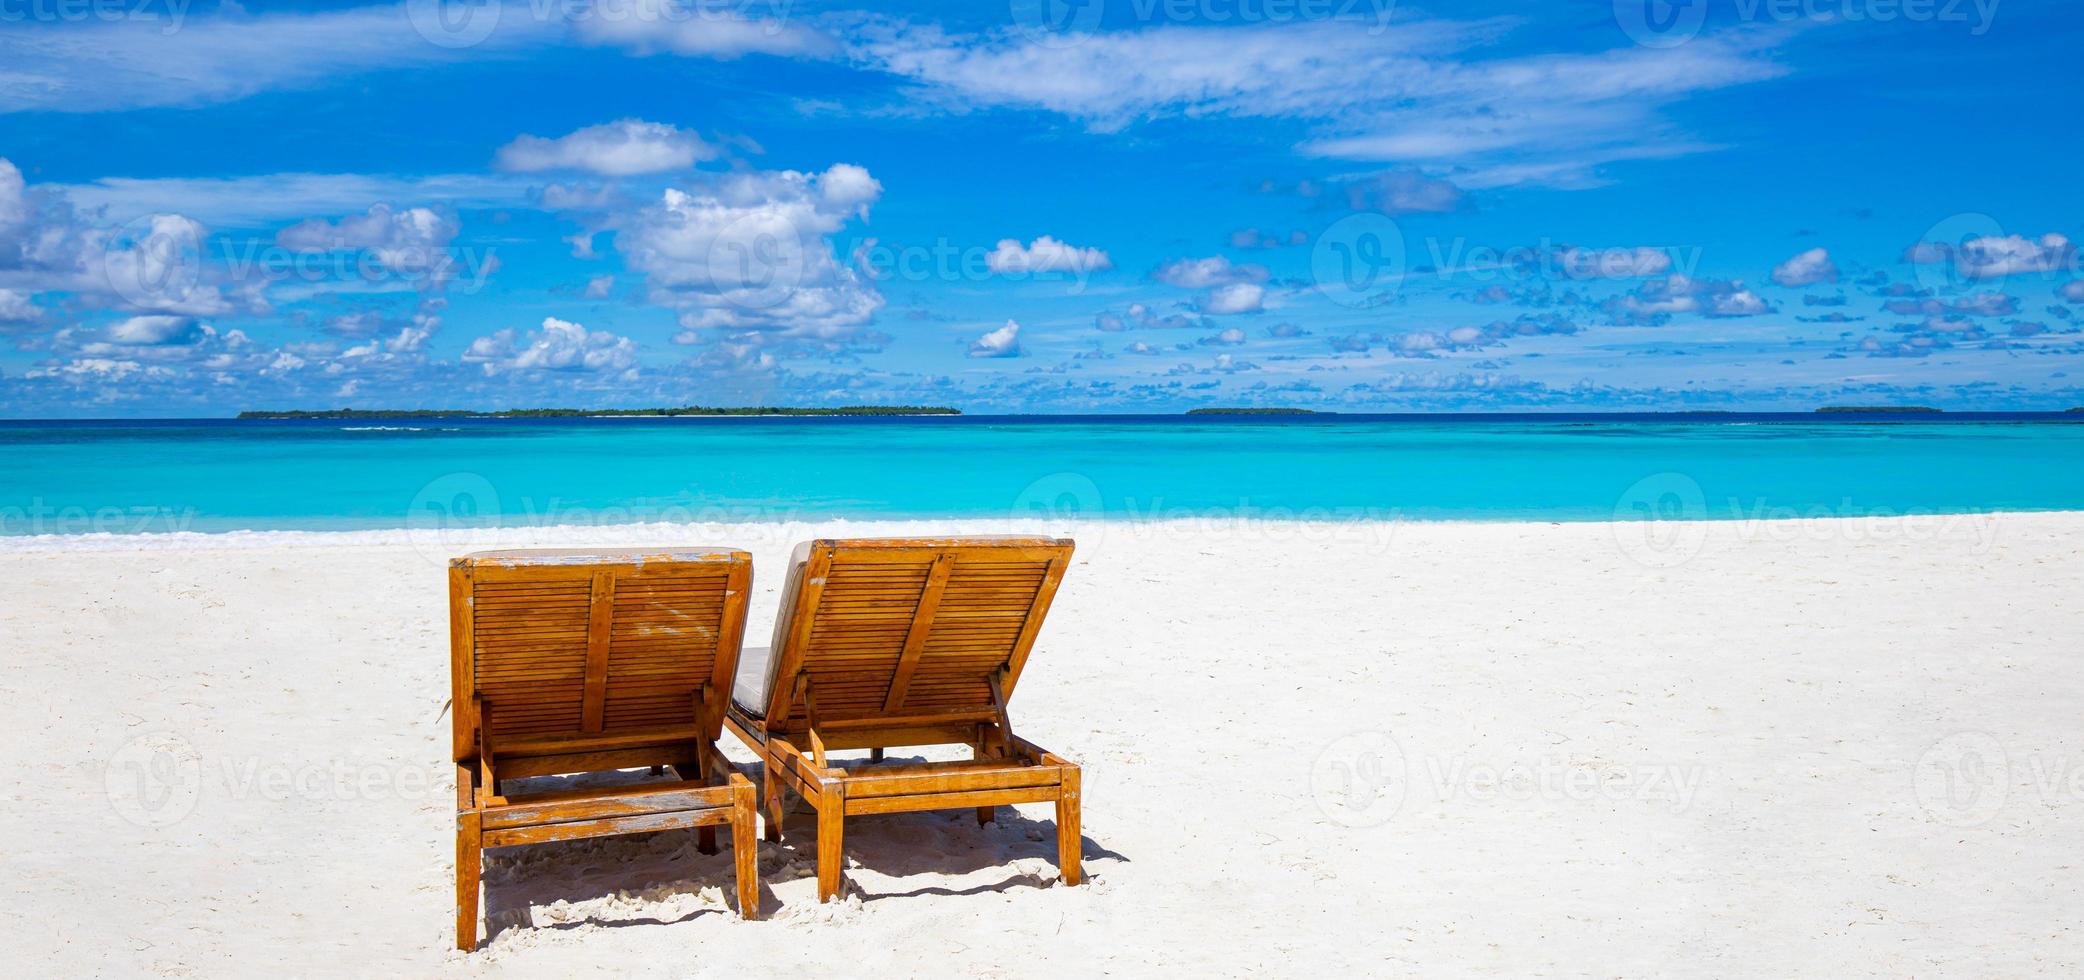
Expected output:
(1741, 302)
(1423, 91)
(413, 240)
(266, 199)
(1997, 256)
(138, 62)
(623, 148)
(99, 370)
(154, 263)
(1228, 337)
(695, 29)
(198, 59)
(156, 331)
(598, 286)
(1992, 257)
(1216, 270)
(16, 308)
(750, 254)
(1655, 301)
(1003, 342)
(2073, 291)
(1806, 269)
(1236, 297)
(559, 346)
(1045, 254)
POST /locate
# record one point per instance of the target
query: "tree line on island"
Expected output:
(559, 413)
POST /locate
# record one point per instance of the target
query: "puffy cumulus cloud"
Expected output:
(1044, 254)
(1404, 192)
(1232, 298)
(155, 263)
(2073, 291)
(1216, 270)
(1227, 287)
(16, 308)
(1003, 342)
(1997, 256)
(1286, 331)
(1612, 263)
(597, 287)
(411, 241)
(559, 346)
(696, 29)
(749, 258)
(1654, 302)
(1806, 269)
(1223, 338)
(155, 331)
(623, 148)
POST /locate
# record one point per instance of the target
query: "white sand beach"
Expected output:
(1819, 748)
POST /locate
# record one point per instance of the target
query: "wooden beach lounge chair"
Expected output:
(904, 641)
(584, 662)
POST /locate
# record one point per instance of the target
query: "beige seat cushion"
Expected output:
(756, 664)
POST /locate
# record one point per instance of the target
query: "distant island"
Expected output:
(561, 413)
(1252, 411)
(1896, 409)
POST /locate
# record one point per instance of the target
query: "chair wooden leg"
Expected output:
(705, 840)
(469, 857)
(744, 815)
(875, 755)
(832, 812)
(771, 794)
(1067, 828)
(986, 814)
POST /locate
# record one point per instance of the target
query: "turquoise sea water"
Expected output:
(218, 475)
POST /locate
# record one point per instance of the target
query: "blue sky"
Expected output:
(1115, 205)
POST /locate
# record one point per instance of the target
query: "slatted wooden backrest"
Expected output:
(592, 647)
(890, 628)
